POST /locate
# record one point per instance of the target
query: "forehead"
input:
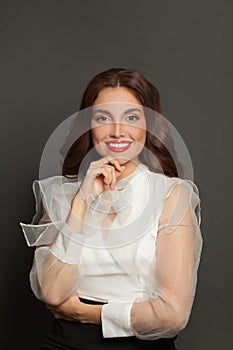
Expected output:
(119, 94)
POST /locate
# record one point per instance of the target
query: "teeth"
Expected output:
(118, 145)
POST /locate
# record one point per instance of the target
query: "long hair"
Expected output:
(158, 152)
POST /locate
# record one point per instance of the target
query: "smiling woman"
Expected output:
(118, 127)
(158, 152)
(117, 235)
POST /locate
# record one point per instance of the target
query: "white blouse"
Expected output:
(143, 264)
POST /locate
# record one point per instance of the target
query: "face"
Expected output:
(118, 124)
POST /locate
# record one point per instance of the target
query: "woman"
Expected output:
(119, 268)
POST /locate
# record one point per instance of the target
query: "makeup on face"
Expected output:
(118, 123)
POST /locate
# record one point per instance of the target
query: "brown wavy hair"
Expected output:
(158, 152)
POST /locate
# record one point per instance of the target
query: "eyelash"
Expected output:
(102, 116)
(135, 116)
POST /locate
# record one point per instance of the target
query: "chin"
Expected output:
(124, 161)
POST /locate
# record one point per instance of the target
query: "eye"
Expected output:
(133, 118)
(101, 119)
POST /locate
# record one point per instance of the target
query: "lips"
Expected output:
(118, 146)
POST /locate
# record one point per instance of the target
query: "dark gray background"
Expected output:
(49, 52)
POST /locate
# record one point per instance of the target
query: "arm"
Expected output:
(59, 268)
(72, 309)
(54, 272)
(167, 308)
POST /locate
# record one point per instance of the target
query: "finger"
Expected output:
(105, 161)
(112, 171)
(103, 171)
(114, 161)
(114, 179)
(118, 173)
(115, 173)
(101, 161)
(68, 318)
(62, 317)
(112, 175)
(117, 164)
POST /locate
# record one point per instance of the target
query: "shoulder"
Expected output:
(56, 185)
(57, 180)
(172, 185)
(55, 194)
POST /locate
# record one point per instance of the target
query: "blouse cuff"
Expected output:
(115, 317)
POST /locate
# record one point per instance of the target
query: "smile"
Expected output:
(118, 147)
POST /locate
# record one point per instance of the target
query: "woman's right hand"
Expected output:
(101, 175)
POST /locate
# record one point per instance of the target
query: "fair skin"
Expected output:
(118, 131)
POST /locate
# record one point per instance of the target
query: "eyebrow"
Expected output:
(109, 113)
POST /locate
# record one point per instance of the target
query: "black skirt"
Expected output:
(71, 335)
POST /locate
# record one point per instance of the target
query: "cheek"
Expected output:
(98, 133)
(142, 134)
(139, 134)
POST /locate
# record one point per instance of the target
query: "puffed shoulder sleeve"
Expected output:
(53, 276)
(173, 275)
(170, 283)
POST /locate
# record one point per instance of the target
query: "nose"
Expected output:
(117, 129)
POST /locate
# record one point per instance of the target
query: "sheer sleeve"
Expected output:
(178, 250)
(172, 278)
(53, 276)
